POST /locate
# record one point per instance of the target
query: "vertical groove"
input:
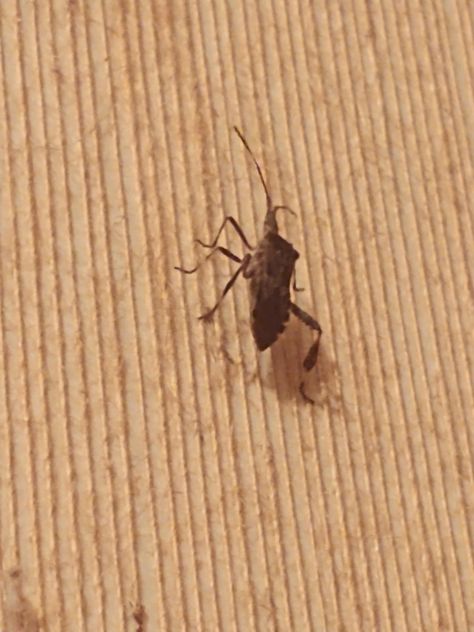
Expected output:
(95, 293)
(406, 418)
(258, 229)
(425, 368)
(300, 418)
(239, 215)
(344, 512)
(136, 351)
(158, 472)
(466, 233)
(103, 580)
(83, 370)
(365, 551)
(113, 295)
(188, 338)
(11, 557)
(31, 418)
(458, 351)
(205, 137)
(440, 240)
(372, 395)
(379, 350)
(257, 225)
(314, 195)
(184, 126)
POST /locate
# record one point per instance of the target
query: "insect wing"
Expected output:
(269, 289)
(269, 316)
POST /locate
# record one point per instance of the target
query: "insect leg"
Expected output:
(285, 208)
(245, 261)
(237, 228)
(224, 251)
(295, 288)
(312, 355)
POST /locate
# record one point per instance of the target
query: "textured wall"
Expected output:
(157, 473)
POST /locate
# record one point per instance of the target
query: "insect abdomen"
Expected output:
(269, 317)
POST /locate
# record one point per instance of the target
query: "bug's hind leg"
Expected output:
(220, 249)
(236, 227)
(312, 355)
(245, 261)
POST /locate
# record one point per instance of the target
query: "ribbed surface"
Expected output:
(157, 473)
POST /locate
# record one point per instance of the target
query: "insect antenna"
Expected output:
(270, 207)
(246, 145)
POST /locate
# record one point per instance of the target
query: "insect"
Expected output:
(270, 269)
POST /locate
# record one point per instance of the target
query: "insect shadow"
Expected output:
(270, 269)
(287, 356)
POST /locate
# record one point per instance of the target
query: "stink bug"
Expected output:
(270, 270)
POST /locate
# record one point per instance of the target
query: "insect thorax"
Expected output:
(274, 257)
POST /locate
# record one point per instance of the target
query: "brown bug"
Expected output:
(270, 270)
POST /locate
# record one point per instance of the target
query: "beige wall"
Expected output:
(157, 472)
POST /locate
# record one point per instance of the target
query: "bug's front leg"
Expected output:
(237, 229)
(220, 249)
(312, 355)
(245, 261)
